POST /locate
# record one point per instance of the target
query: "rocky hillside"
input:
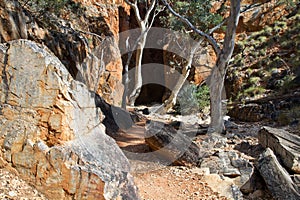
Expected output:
(267, 61)
(51, 131)
(264, 73)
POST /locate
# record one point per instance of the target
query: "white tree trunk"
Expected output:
(138, 68)
(216, 82)
(125, 82)
(145, 26)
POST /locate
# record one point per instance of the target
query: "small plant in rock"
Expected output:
(267, 31)
(262, 39)
(186, 101)
(41, 7)
(254, 81)
(262, 52)
(288, 83)
(253, 91)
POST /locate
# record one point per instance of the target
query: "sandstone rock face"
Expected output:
(266, 13)
(86, 43)
(51, 131)
(259, 14)
(249, 112)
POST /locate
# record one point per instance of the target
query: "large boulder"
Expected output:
(276, 177)
(284, 144)
(51, 130)
(171, 145)
(84, 37)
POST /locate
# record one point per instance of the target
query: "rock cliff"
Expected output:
(51, 130)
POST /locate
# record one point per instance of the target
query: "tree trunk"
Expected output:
(145, 26)
(125, 82)
(138, 68)
(216, 82)
(126, 76)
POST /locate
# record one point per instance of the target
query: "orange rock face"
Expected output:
(51, 130)
(77, 40)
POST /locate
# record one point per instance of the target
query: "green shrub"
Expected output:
(186, 102)
(197, 12)
(41, 7)
(192, 99)
(262, 52)
(202, 96)
(254, 80)
(250, 91)
(288, 83)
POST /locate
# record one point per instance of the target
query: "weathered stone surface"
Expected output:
(116, 118)
(276, 177)
(248, 113)
(296, 179)
(279, 109)
(87, 44)
(171, 144)
(254, 183)
(228, 163)
(265, 14)
(284, 144)
(51, 130)
(204, 60)
(259, 16)
(223, 185)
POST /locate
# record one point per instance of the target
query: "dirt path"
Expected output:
(174, 183)
(156, 182)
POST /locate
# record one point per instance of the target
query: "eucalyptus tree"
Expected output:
(144, 24)
(197, 13)
(223, 51)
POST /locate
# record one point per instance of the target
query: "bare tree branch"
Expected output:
(156, 12)
(171, 101)
(152, 6)
(139, 46)
(130, 3)
(209, 38)
(217, 26)
(229, 40)
(135, 8)
(216, 80)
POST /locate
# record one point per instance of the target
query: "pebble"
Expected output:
(12, 194)
(201, 171)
